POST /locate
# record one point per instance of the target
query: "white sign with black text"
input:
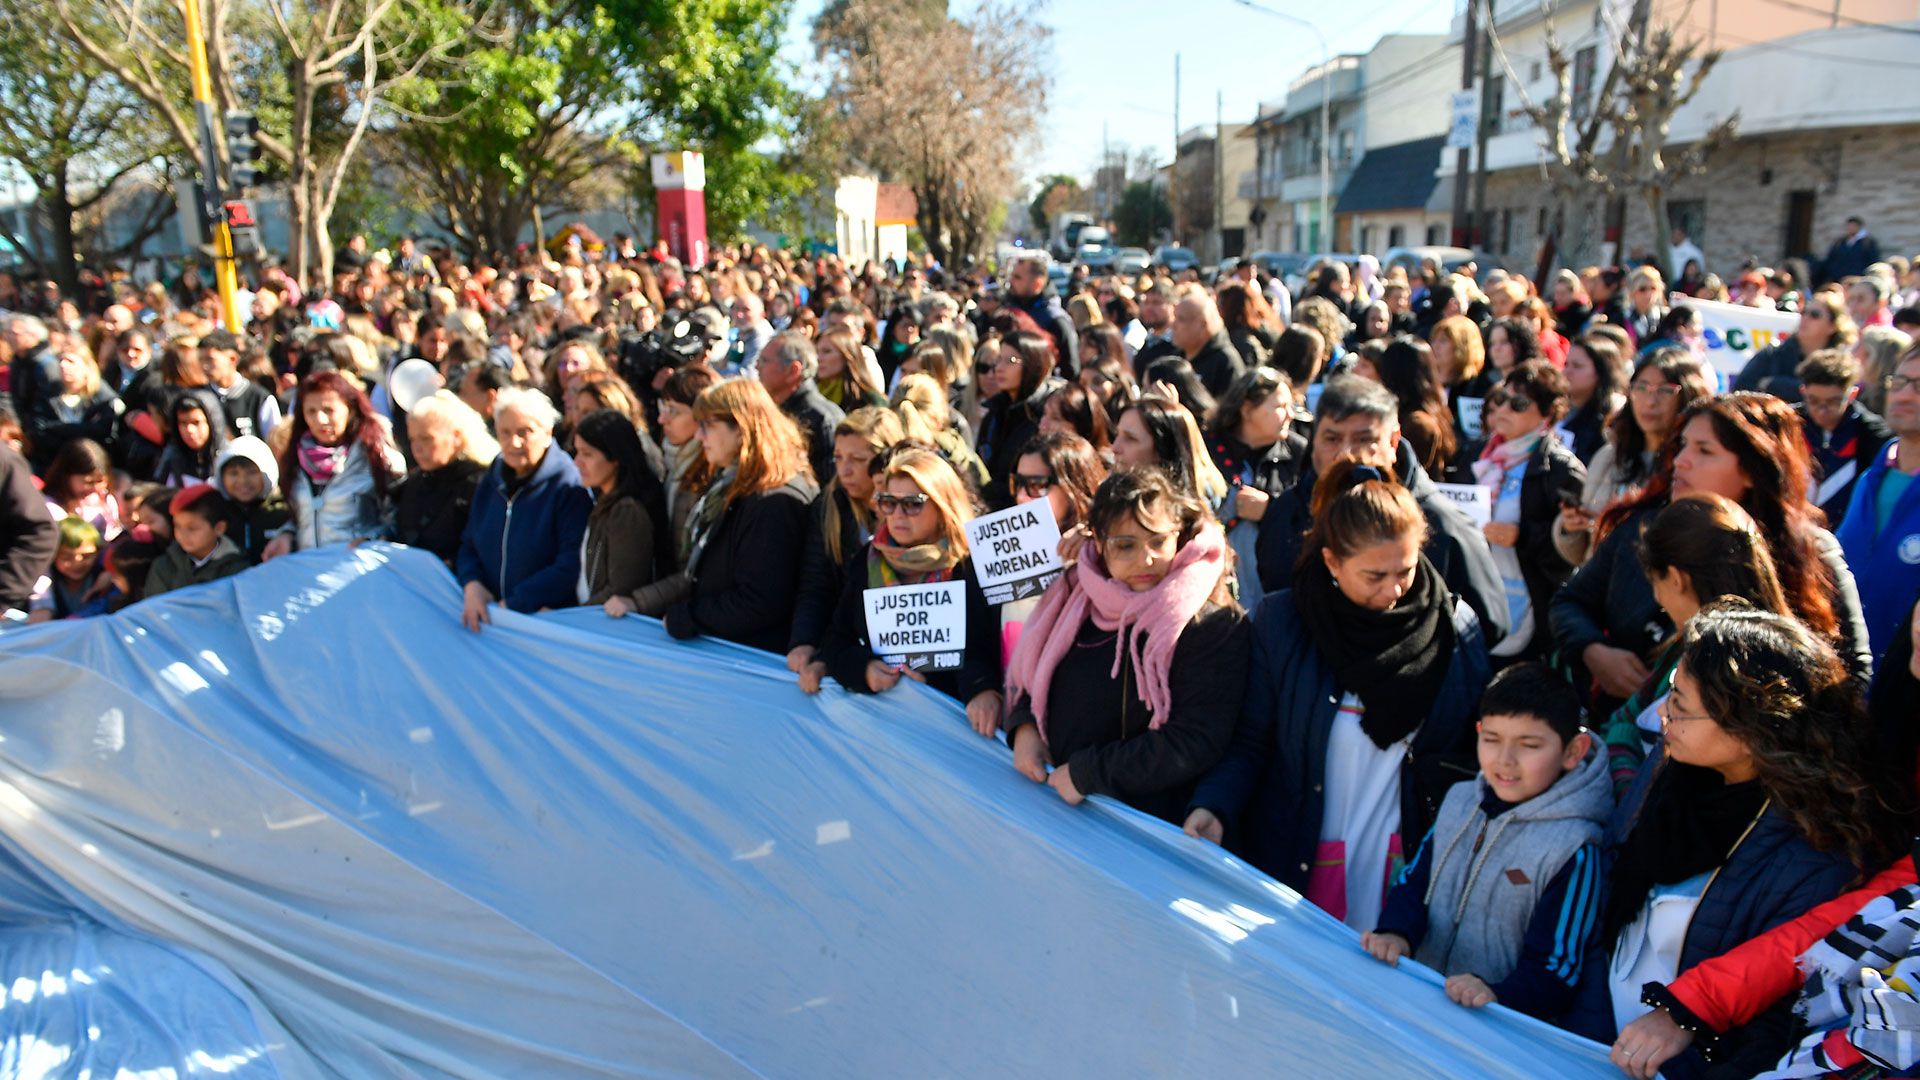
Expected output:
(1473, 500)
(922, 627)
(1016, 551)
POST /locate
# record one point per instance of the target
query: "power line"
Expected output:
(1869, 24)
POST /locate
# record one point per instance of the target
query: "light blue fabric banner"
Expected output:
(299, 823)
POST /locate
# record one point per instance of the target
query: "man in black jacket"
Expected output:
(1852, 253)
(787, 366)
(35, 372)
(27, 534)
(1202, 337)
(1358, 418)
(1156, 315)
(1029, 290)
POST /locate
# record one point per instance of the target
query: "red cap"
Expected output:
(188, 496)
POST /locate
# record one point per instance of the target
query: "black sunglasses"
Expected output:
(1035, 487)
(1518, 402)
(910, 505)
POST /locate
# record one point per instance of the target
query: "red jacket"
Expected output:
(1736, 986)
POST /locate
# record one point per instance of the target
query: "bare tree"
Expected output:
(320, 72)
(1653, 74)
(942, 105)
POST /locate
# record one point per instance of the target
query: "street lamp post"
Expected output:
(1326, 111)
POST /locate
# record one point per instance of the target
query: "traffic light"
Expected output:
(243, 149)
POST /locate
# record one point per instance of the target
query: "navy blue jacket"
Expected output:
(526, 549)
(1773, 875)
(1269, 789)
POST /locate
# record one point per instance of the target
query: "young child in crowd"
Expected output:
(148, 503)
(76, 587)
(1503, 892)
(245, 474)
(201, 551)
(127, 563)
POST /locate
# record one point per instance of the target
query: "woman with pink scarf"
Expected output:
(1531, 474)
(1129, 677)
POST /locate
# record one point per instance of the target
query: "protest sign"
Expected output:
(1472, 499)
(1016, 551)
(1735, 333)
(923, 627)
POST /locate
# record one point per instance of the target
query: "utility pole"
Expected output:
(212, 197)
(1173, 171)
(1486, 127)
(1470, 39)
(1219, 176)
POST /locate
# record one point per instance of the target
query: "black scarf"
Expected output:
(1393, 660)
(1688, 825)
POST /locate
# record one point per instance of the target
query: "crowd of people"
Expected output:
(1616, 749)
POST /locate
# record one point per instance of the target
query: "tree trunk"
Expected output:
(321, 234)
(1656, 196)
(300, 254)
(65, 263)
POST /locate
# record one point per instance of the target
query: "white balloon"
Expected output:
(412, 380)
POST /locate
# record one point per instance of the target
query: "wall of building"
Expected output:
(1372, 233)
(1744, 198)
(1408, 82)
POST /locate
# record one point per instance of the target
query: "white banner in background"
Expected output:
(1736, 333)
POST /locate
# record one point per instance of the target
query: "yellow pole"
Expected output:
(225, 275)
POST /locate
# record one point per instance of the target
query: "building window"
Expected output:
(1343, 149)
(1496, 106)
(1533, 72)
(1540, 226)
(1367, 233)
(1436, 235)
(1396, 235)
(1506, 231)
(1584, 63)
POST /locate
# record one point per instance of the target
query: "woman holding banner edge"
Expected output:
(922, 508)
(1146, 606)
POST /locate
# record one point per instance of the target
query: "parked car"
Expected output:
(1298, 283)
(1281, 264)
(1175, 258)
(1412, 258)
(1097, 258)
(1057, 275)
(1132, 261)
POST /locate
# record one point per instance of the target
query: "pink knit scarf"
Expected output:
(1148, 623)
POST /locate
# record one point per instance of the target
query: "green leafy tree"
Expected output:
(76, 136)
(1143, 210)
(557, 101)
(1058, 194)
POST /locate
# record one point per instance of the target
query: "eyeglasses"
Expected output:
(1816, 314)
(1668, 716)
(1897, 383)
(910, 505)
(1664, 391)
(1516, 402)
(1035, 487)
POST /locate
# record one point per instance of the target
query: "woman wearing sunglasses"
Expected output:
(921, 510)
(1131, 673)
(1063, 470)
(841, 522)
(1530, 473)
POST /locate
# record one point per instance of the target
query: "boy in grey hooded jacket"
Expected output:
(1506, 889)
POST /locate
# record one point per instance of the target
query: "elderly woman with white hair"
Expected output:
(521, 547)
(451, 452)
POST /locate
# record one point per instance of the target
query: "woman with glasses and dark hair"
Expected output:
(921, 509)
(1145, 610)
(1252, 442)
(1824, 324)
(1011, 415)
(1530, 474)
(1064, 470)
(1758, 805)
(1666, 382)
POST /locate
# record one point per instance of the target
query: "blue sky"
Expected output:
(1113, 63)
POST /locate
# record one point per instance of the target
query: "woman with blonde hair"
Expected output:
(744, 564)
(920, 537)
(844, 520)
(926, 416)
(451, 452)
(843, 376)
(1646, 304)
(1460, 367)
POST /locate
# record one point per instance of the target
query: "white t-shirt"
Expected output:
(1362, 811)
(1649, 948)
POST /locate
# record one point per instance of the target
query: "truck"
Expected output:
(1064, 237)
